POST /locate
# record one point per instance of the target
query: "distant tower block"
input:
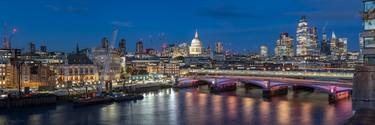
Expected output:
(31, 47)
(43, 48)
(122, 46)
(139, 47)
(219, 48)
(263, 51)
(105, 42)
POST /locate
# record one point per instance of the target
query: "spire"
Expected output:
(196, 33)
(77, 49)
(333, 35)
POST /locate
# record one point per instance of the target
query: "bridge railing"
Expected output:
(341, 75)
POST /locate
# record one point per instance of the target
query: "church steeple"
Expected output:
(196, 33)
(77, 48)
(333, 35)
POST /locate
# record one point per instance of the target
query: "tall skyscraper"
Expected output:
(263, 51)
(333, 46)
(284, 46)
(105, 42)
(219, 48)
(31, 47)
(196, 45)
(302, 37)
(43, 48)
(122, 46)
(306, 39)
(139, 47)
(342, 48)
(324, 47)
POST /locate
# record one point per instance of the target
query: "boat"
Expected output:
(92, 101)
(122, 97)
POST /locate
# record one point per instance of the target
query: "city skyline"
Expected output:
(56, 23)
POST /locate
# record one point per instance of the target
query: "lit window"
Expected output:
(369, 5)
(369, 59)
(369, 42)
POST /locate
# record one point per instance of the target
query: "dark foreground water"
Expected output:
(192, 107)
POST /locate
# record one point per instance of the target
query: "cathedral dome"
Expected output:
(196, 45)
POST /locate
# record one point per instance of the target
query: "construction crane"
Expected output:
(7, 39)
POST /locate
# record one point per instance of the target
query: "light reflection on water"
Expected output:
(192, 106)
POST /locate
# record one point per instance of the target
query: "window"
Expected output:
(369, 42)
(369, 5)
(369, 24)
(369, 59)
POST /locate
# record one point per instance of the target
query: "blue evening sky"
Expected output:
(242, 25)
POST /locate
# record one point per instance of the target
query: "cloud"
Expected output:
(121, 23)
(326, 15)
(67, 9)
(226, 12)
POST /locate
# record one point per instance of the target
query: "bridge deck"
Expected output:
(316, 85)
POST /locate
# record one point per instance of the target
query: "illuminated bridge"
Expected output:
(289, 74)
(271, 87)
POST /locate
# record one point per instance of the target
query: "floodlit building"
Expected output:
(342, 48)
(263, 51)
(284, 46)
(219, 48)
(78, 69)
(196, 45)
(109, 61)
(363, 81)
(324, 47)
(306, 39)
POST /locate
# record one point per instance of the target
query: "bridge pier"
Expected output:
(334, 97)
(270, 91)
(275, 91)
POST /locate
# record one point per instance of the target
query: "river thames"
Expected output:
(193, 107)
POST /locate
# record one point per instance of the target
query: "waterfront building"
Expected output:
(139, 65)
(196, 45)
(108, 61)
(363, 82)
(6, 67)
(284, 46)
(361, 46)
(165, 68)
(197, 62)
(77, 69)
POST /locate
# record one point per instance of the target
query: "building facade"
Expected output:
(196, 45)
(263, 51)
(306, 39)
(284, 46)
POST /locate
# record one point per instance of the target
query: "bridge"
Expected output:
(287, 74)
(270, 88)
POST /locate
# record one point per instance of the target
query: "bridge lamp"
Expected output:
(333, 89)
